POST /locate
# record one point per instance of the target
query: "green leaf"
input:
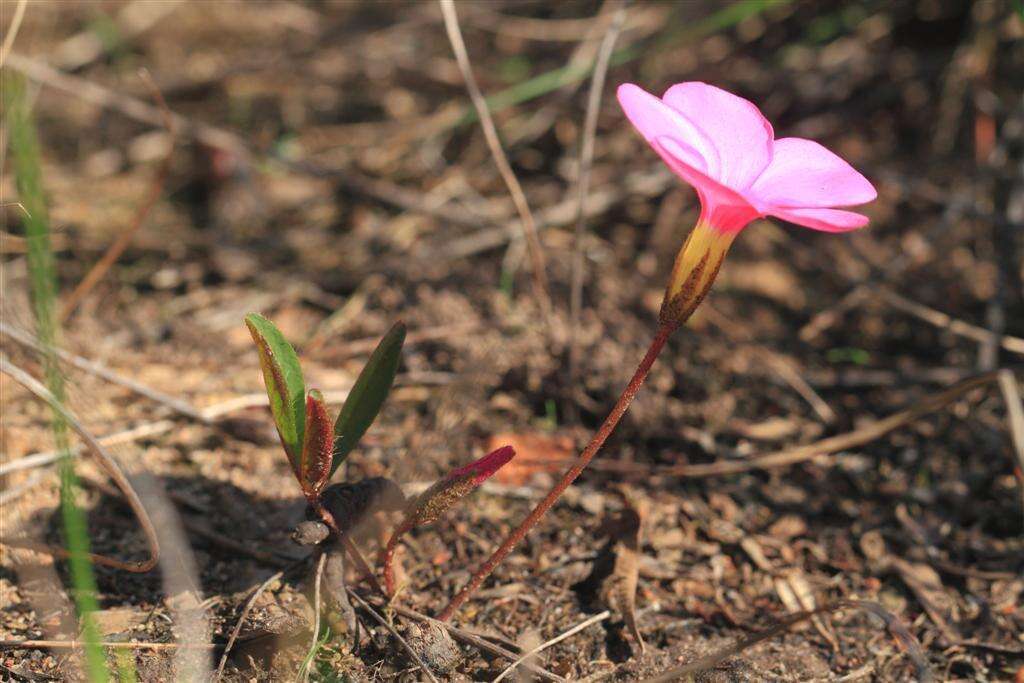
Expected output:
(283, 378)
(42, 288)
(317, 446)
(368, 394)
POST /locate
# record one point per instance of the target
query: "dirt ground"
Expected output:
(328, 172)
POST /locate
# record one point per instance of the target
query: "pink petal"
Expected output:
(720, 206)
(483, 468)
(675, 155)
(654, 119)
(740, 134)
(805, 174)
(826, 220)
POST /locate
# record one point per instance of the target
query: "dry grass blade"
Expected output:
(647, 184)
(180, 579)
(783, 369)
(852, 439)
(156, 189)
(126, 104)
(529, 225)
(391, 629)
(12, 31)
(11, 494)
(366, 345)
(25, 339)
(241, 620)
(906, 640)
(601, 616)
(220, 138)
(926, 585)
(383, 190)
(824, 319)
(106, 463)
(797, 454)
(477, 641)
(1015, 416)
(615, 573)
(956, 207)
(50, 457)
(207, 415)
(583, 187)
(946, 322)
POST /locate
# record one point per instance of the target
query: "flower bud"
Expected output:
(694, 272)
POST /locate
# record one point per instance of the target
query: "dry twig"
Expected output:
(206, 415)
(476, 641)
(103, 372)
(601, 616)
(126, 104)
(946, 322)
(832, 444)
(241, 620)
(583, 187)
(791, 456)
(955, 208)
(647, 184)
(50, 457)
(529, 225)
(398, 636)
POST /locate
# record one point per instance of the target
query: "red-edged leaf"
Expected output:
(282, 376)
(440, 497)
(317, 446)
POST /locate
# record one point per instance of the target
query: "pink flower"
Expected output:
(723, 146)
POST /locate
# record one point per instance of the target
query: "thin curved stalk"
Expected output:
(106, 463)
(602, 434)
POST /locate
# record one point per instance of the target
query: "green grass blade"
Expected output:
(25, 157)
(368, 394)
(532, 88)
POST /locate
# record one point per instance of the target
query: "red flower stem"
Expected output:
(349, 546)
(602, 434)
(387, 556)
